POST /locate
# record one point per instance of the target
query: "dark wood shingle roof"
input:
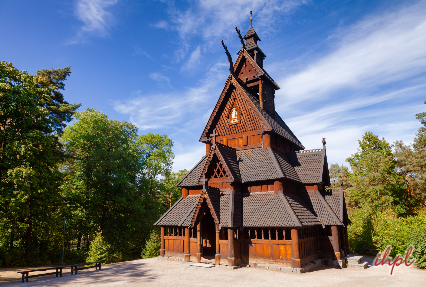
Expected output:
(181, 213)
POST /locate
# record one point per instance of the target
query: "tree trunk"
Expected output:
(79, 241)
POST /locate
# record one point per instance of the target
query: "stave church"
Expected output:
(257, 197)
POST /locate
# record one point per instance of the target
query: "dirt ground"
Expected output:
(154, 272)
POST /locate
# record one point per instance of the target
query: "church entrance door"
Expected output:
(208, 235)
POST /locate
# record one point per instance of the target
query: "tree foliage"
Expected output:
(33, 114)
(374, 180)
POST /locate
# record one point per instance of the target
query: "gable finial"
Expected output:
(251, 19)
(231, 66)
(323, 143)
(241, 38)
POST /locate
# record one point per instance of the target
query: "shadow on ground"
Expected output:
(129, 272)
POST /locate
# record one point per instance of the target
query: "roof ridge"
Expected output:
(191, 170)
(309, 150)
(289, 208)
(327, 206)
(275, 161)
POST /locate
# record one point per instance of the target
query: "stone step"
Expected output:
(201, 265)
(362, 265)
(354, 259)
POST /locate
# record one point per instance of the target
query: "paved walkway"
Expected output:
(154, 272)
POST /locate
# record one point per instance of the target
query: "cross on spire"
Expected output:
(214, 134)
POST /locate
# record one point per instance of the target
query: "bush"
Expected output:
(371, 232)
(152, 246)
(100, 250)
(360, 232)
(419, 240)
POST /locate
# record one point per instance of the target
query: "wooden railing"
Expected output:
(174, 244)
(276, 250)
(307, 250)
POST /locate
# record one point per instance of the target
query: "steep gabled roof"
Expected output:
(251, 33)
(309, 165)
(302, 211)
(259, 70)
(259, 164)
(269, 122)
(227, 157)
(191, 178)
(322, 209)
(180, 213)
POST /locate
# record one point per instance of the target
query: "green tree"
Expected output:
(33, 114)
(159, 158)
(169, 192)
(339, 176)
(103, 178)
(374, 179)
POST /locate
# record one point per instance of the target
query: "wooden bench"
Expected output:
(57, 272)
(74, 267)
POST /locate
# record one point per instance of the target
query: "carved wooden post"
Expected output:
(162, 250)
(225, 141)
(346, 240)
(231, 258)
(185, 192)
(187, 253)
(295, 248)
(199, 242)
(217, 255)
(242, 242)
(335, 241)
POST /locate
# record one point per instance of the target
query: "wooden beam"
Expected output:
(278, 186)
(335, 241)
(199, 242)
(217, 255)
(162, 250)
(208, 147)
(295, 248)
(185, 192)
(266, 140)
(260, 94)
(187, 253)
(231, 257)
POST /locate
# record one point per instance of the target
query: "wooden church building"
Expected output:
(257, 197)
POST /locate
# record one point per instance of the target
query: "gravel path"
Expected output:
(154, 272)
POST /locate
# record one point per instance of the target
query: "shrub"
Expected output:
(371, 232)
(102, 250)
(360, 232)
(152, 246)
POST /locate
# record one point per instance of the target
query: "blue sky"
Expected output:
(344, 67)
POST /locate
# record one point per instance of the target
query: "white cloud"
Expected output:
(376, 51)
(94, 15)
(215, 19)
(173, 110)
(160, 79)
(139, 51)
(194, 60)
(162, 24)
(188, 158)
